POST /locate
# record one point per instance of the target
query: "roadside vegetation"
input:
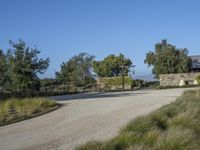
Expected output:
(198, 79)
(173, 127)
(14, 110)
(168, 59)
(21, 67)
(175, 87)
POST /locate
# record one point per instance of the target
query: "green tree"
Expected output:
(168, 59)
(24, 67)
(111, 66)
(48, 83)
(3, 70)
(77, 71)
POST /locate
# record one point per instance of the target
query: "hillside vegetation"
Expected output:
(173, 127)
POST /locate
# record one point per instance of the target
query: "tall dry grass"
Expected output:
(13, 110)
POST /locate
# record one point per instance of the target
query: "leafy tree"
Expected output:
(47, 82)
(24, 67)
(77, 71)
(111, 66)
(168, 59)
(3, 70)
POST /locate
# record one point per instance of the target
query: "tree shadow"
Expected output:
(95, 95)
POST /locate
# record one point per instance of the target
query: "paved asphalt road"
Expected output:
(83, 117)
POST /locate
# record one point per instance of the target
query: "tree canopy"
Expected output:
(77, 71)
(168, 59)
(22, 66)
(3, 69)
(111, 66)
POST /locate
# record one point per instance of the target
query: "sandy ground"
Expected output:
(83, 117)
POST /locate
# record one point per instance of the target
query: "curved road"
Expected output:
(83, 117)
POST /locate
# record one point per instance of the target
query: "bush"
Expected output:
(138, 83)
(151, 84)
(198, 79)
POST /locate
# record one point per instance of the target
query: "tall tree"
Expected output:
(111, 66)
(24, 66)
(168, 59)
(77, 71)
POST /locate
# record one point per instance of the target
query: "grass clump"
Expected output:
(173, 127)
(177, 139)
(140, 125)
(14, 110)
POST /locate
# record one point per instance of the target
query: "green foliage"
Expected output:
(168, 59)
(198, 79)
(177, 139)
(13, 110)
(92, 146)
(21, 67)
(77, 71)
(115, 82)
(49, 84)
(110, 66)
(138, 83)
(3, 70)
(140, 125)
(173, 127)
(152, 84)
(174, 87)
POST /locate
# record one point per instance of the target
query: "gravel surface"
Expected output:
(83, 117)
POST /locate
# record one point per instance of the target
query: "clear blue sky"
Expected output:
(63, 28)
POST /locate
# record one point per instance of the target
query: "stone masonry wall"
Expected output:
(114, 83)
(174, 79)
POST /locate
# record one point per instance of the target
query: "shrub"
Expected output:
(198, 79)
(138, 83)
(151, 84)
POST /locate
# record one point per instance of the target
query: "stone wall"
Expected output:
(114, 83)
(174, 79)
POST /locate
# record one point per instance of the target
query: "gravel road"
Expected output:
(83, 117)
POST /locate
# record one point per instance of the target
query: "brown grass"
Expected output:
(13, 110)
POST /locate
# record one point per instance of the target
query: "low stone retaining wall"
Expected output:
(114, 83)
(174, 79)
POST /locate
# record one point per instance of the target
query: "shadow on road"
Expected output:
(95, 95)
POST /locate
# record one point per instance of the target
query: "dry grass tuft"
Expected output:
(13, 110)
